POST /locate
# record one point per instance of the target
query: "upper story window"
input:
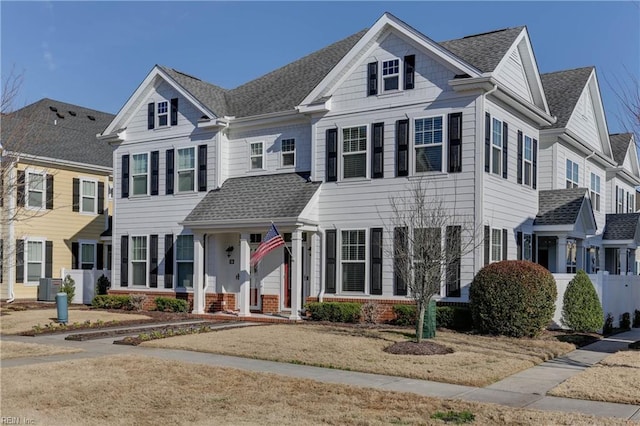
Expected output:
(391, 75)
(630, 203)
(428, 141)
(572, 174)
(619, 200)
(354, 152)
(396, 75)
(162, 113)
(496, 147)
(288, 152)
(353, 260)
(595, 191)
(139, 174)
(36, 190)
(257, 155)
(88, 196)
(186, 169)
(528, 161)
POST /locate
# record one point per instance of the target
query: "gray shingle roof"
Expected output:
(563, 89)
(559, 206)
(212, 96)
(619, 146)
(484, 51)
(266, 197)
(621, 226)
(66, 133)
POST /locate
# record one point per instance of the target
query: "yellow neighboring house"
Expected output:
(56, 195)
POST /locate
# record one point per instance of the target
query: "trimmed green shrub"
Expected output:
(625, 321)
(581, 308)
(512, 298)
(406, 315)
(335, 311)
(636, 318)
(68, 286)
(111, 301)
(607, 328)
(454, 317)
(102, 285)
(168, 304)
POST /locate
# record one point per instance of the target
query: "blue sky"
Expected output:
(95, 54)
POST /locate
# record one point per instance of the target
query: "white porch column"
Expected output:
(580, 254)
(296, 274)
(561, 256)
(245, 276)
(622, 253)
(198, 272)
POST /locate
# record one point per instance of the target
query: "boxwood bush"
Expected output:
(169, 304)
(111, 301)
(451, 317)
(335, 311)
(581, 308)
(512, 298)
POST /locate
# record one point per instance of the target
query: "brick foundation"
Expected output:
(214, 302)
(270, 304)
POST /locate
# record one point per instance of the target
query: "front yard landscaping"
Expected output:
(9, 350)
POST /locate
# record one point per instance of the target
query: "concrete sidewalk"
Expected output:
(526, 389)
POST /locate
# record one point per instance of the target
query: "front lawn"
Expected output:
(9, 350)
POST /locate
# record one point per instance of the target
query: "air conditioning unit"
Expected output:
(47, 289)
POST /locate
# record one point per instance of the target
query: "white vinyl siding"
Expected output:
(354, 152)
(428, 144)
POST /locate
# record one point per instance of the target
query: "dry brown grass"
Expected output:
(19, 321)
(146, 391)
(9, 350)
(477, 360)
(614, 379)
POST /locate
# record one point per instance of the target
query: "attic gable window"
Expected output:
(163, 113)
(158, 114)
(391, 74)
(392, 70)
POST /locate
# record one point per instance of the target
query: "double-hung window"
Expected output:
(87, 255)
(630, 203)
(288, 152)
(353, 260)
(139, 174)
(595, 191)
(184, 260)
(36, 190)
(391, 75)
(139, 260)
(163, 113)
(256, 155)
(620, 197)
(35, 261)
(496, 245)
(186, 169)
(88, 196)
(496, 147)
(572, 174)
(428, 144)
(528, 160)
(354, 152)
(527, 253)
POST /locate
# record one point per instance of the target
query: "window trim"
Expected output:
(43, 242)
(575, 174)
(442, 144)
(341, 153)
(132, 261)
(82, 196)
(177, 262)
(132, 174)
(620, 205)
(496, 122)
(593, 194)
(252, 156)
(177, 170)
(95, 252)
(397, 74)
(27, 178)
(499, 231)
(289, 152)
(164, 114)
(526, 175)
(366, 262)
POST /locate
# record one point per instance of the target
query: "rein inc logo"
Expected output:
(16, 421)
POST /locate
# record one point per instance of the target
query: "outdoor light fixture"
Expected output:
(229, 250)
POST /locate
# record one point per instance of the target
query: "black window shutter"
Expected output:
(1, 200)
(455, 142)
(49, 192)
(534, 179)
(402, 148)
(174, 111)
(409, 71)
(76, 195)
(504, 244)
(1, 260)
(376, 260)
(20, 190)
(520, 150)
(19, 261)
(487, 142)
(99, 256)
(519, 245)
(372, 78)
(453, 258)
(124, 261)
(125, 176)
(169, 177)
(153, 266)
(100, 197)
(487, 245)
(75, 255)
(505, 150)
(151, 119)
(155, 169)
(168, 261)
(377, 160)
(48, 259)
(332, 155)
(202, 168)
(534, 248)
(399, 261)
(330, 262)
(617, 201)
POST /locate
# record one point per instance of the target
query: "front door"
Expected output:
(254, 289)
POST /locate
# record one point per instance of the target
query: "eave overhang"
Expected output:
(243, 225)
(56, 163)
(571, 139)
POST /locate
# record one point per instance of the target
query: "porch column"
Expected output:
(561, 256)
(296, 274)
(245, 276)
(198, 273)
(580, 254)
(622, 254)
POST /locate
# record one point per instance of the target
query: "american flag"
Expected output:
(270, 241)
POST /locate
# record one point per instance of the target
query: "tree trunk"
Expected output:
(420, 322)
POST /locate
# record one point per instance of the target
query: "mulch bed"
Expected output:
(425, 347)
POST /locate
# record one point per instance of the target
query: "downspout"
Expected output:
(11, 276)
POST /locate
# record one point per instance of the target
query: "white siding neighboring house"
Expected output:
(319, 146)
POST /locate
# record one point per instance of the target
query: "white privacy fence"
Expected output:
(85, 281)
(618, 294)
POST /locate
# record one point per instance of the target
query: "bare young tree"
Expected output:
(628, 95)
(430, 239)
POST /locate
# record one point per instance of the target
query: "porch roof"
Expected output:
(560, 206)
(621, 227)
(255, 198)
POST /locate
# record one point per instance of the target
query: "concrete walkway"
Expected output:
(526, 389)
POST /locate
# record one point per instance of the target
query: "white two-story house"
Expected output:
(318, 147)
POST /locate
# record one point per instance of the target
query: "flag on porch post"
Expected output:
(270, 241)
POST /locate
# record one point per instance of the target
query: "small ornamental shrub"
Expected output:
(168, 304)
(68, 286)
(335, 311)
(136, 301)
(581, 308)
(102, 285)
(371, 312)
(625, 321)
(636, 318)
(406, 315)
(112, 301)
(607, 328)
(512, 298)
